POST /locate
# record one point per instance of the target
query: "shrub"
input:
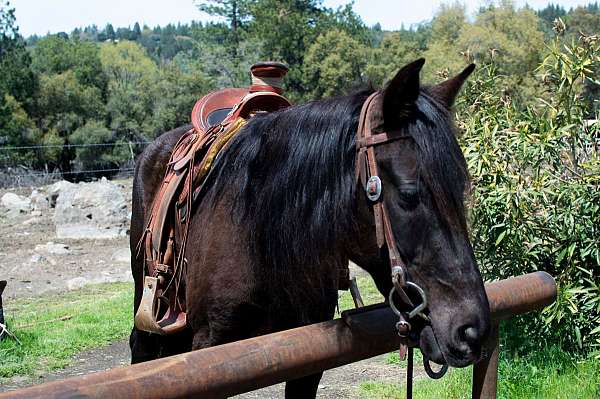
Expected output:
(535, 200)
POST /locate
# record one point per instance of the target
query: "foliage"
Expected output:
(131, 86)
(95, 156)
(179, 85)
(334, 62)
(394, 50)
(56, 55)
(535, 201)
(286, 29)
(17, 88)
(17, 130)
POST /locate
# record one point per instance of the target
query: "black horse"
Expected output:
(283, 211)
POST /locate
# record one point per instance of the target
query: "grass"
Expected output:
(548, 373)
(95, 316)
(368, 291)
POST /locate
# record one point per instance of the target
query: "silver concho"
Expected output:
(373, 188)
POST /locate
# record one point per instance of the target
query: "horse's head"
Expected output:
(424, 178)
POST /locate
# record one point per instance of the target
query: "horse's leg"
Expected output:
(144, 346)
(302, 388)
(306, 387)
(175, 344)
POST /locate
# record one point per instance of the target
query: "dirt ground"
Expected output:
(32, 271)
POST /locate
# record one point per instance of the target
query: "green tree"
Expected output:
(548, 15)
(180, 83)
(395, 50)
(229, 46)
(131, 89)
(18, 129)
(333, 63)
(584, 20)
(93, 157)
(55, 55)
(442, 54)
(510, 38)
(16, 78)
(65, 105)
(286, 29)
(535, 199)
(234, 12)
(109, 31)
(137, 32)
(17, 90)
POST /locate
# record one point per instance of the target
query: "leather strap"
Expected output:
(376, 139)
(366, 166)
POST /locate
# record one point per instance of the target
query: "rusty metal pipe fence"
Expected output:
(250, 364)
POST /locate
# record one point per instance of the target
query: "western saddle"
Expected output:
(216, 118)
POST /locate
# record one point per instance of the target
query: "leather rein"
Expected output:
(367, 173)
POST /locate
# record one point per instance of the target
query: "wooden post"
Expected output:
(485, 372)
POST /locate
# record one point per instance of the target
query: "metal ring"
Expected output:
(420, 307)
(436, 375)
(418, 310)
(391, 301)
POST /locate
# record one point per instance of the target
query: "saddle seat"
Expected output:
(213, 108)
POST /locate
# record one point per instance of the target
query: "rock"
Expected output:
(33, 220)
(76, 283)
(91, 210)
(36, 258)
(15, 204)
(39, 201)
(54, 249)
(122, 255)
(55, 190)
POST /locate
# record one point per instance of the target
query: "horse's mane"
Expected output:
(293, 176)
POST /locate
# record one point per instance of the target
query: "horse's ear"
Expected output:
(447, 91)
(401, 92)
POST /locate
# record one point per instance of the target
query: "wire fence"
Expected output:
(15, 173)
(67, 146)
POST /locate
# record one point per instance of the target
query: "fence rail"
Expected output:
(250, 364)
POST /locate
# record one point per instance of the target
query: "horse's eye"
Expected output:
(409, 193)
(409, 196)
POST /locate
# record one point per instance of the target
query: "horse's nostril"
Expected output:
(470, 334)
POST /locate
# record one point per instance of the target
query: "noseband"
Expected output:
(367, 173)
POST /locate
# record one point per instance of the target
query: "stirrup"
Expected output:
(146, 317)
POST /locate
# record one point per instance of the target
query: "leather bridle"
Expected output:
(368, 175)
